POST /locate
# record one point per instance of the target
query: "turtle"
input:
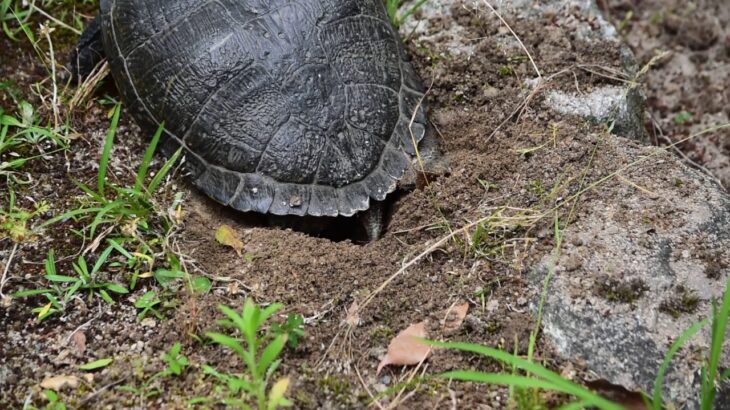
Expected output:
(289, 108)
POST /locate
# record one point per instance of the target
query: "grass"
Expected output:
(398, 14)
(24, 138)
(176, 364)
(135, 229)
(17, 16)
(64, 288)
(535, 378)
(259, 350)
(131, 229)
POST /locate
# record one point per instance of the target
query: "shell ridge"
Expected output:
(171, 25)
(314, 198)
(242, 70)
(268, 143)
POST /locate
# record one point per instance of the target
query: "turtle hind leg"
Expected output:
(373, 220)
(89, 52)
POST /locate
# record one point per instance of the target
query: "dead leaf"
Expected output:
(406, 348)
(233, 288)
(353, 315)
(79, 339)
(455, 317)
(58, 383)
(229, 237)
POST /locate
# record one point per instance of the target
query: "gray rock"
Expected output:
(650, 266)
(620, 107)
(648, 253)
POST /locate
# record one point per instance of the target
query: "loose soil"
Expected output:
(688, 88)
(527, 166)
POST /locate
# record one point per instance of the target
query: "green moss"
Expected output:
(338, 388)
(493, 326)
(506, 71)
(683, 301)
(304, 399)
(621, 291)
(381, 335)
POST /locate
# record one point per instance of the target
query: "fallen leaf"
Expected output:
(58, 383)
(228, 237)
(455, 317)
(233, 288)
(79, 339)
(407, 348)
(148, 322)
(353, 315)
(277, 392)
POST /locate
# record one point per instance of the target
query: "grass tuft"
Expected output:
(395, 13)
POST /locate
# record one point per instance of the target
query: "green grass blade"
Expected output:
(145, 165)
(270, 354)
(108, 143)
(157, 180)
(234, 316)
(269, 311)
(29, 293)
(555, 379)
(102, 259)
(392, 7)
(51, 263)
(68, 215)
(227, 341)
(110, 208)
(578, 405)
(681, 340)
(114, 244)
(96, 364)
(105, 295)
(61, 279)
(116, 288)
(719, 327)
(512, 380)
(410, 11)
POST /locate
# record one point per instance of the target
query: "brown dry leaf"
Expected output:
(406, 348)
(455, 317)
(353, 315)
(79, 339)
(58, 383)
(229, 237)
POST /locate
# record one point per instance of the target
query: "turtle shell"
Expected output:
(290, 108)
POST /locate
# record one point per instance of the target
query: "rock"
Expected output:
(650, 246)
(621, 107)
(651, 280)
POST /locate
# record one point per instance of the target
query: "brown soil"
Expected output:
(318, 278)
(693, 77)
